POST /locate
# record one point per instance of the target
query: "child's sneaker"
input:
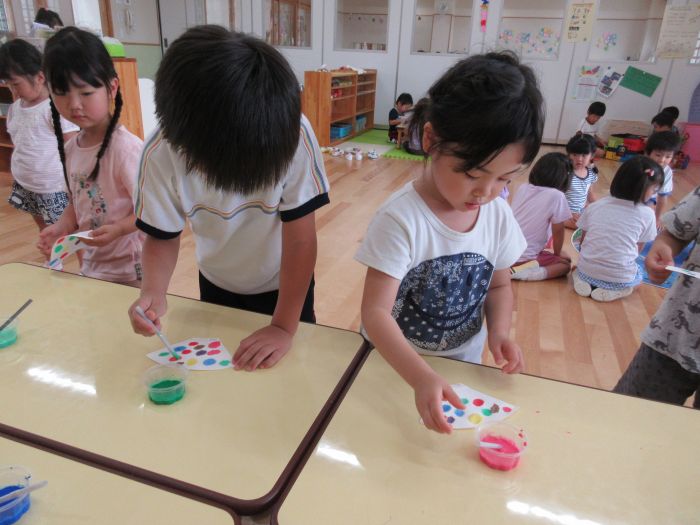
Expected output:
(372, 155)
(605, 296)
(581, 287)
(358, 155)
(349, 155)
(335, 152)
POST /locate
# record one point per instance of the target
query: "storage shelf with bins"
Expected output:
(5, 140)
(341, 99)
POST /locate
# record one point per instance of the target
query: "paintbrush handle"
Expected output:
(14, 315)
(160, 335)
(21, 492)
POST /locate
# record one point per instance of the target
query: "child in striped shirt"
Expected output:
(581, 149)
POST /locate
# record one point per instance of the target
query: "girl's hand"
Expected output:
(262, 349)
(508, 355)
(429, 394)
(104, 235)
(154, 307)
(47, 237)
(660, 255)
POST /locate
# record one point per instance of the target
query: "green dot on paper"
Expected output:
(465, 401)
(225, 362)
(486, 412)
(163, 354)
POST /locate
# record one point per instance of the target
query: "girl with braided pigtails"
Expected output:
(100, 164)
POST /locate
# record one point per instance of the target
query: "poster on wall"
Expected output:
(586, 83)
(640, 81)
(679, 31)
(579, 22)
(609, 82)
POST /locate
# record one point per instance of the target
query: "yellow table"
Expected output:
(80, 494)
(593, 457)
(74, 379)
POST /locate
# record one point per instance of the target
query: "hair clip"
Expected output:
(649, 172)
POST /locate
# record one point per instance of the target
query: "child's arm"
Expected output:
(591, 196)
(429, 387)
(108, 233)
(661, 255)
(265, 347)
(558, 237)
(499, 313)
(661, 201)
(68, 223)
(158, 261)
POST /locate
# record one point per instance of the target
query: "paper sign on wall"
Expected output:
(587, 82)
(608, 84)
(640, 81)
(579, 22)
(679, 31)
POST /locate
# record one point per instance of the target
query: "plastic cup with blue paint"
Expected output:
(165, 383)
(8, 335)
(13, 478)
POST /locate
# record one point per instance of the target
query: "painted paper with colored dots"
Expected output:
(479, 408)
(196, 354)
(65, 246)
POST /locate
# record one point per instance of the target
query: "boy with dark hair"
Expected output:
(591, 124)
(243, 167)
(661, 147)
(402, 105)
(663, 121)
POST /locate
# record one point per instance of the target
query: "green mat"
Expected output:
(396, 153)
(373, 136)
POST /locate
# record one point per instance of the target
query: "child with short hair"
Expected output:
(667, 364)
(663, 122)
(439, 250)
(38, 187)
(580, 149)
(243, 167)
(541, 210)
(661, 147)
(614, 230)
(591, 124)
(402, 105)
(100, 163)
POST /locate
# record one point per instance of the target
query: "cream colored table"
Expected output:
(80, 494)
(74, 379)
(593, 458)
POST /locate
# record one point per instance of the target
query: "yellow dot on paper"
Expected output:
(191, 361)
(475, 418)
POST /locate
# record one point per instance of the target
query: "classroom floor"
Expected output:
(564, 336)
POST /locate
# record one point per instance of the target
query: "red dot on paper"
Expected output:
(193, 343)
(506, 409)
(172, 359)
(187, 351)
(478, 402)
(215, 344)
(213, 352)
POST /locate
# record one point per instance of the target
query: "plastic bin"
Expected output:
(360, 123)
(338, 131)
(631, 142)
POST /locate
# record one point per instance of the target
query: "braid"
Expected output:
(118, 102)
(58, 131)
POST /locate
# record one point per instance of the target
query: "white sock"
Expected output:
(530, 274)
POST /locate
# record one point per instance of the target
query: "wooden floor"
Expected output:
(564, 336)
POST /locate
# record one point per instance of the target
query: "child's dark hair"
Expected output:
(242, 135)
(19, 58)
(416, 122)
(581, 144)
(493, 89)
(673, 111)
(48, 18)
(76, 54)
(597, 108)
(662, 141)
(663, 119)
(552, 170)
(635, 177)
(405, 98)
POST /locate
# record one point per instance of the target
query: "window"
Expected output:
(362, 24)
(4, 18)
(442, 26)
(288, 23)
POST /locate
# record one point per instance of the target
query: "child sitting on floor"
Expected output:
(661, 147)
(580, 149)
(591, 124)
(402, 105)
(541, 210)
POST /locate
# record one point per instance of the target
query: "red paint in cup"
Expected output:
(512, 443)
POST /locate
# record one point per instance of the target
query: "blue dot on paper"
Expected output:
(180, 348)
(459, 413)
(446, 408)
(209, 362)
(450, 420)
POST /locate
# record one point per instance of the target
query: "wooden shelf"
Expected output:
(344, 97)
(367, 83)
(364, 110)
(6, 145)
(360, 93)
(340, 119)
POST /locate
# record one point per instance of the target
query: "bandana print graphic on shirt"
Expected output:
(90, 191)
(439, 303)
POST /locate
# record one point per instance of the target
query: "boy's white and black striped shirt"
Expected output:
(578, 190)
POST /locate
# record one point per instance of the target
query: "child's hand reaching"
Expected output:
(104, 235)
(507, 354)
(660, 255)
(429, 393)
(263, 348)
(47, 237)
(154, 307)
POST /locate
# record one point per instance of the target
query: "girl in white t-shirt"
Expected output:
(38, 187)
(615, 229)
(101, 162)
(439, 250)
(541, 210)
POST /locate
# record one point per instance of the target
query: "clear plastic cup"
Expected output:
(8, 336)
(512, 441)
(13, 478)
(165, 383)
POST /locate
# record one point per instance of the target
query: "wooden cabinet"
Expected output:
(339, 104)
(127, 72)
